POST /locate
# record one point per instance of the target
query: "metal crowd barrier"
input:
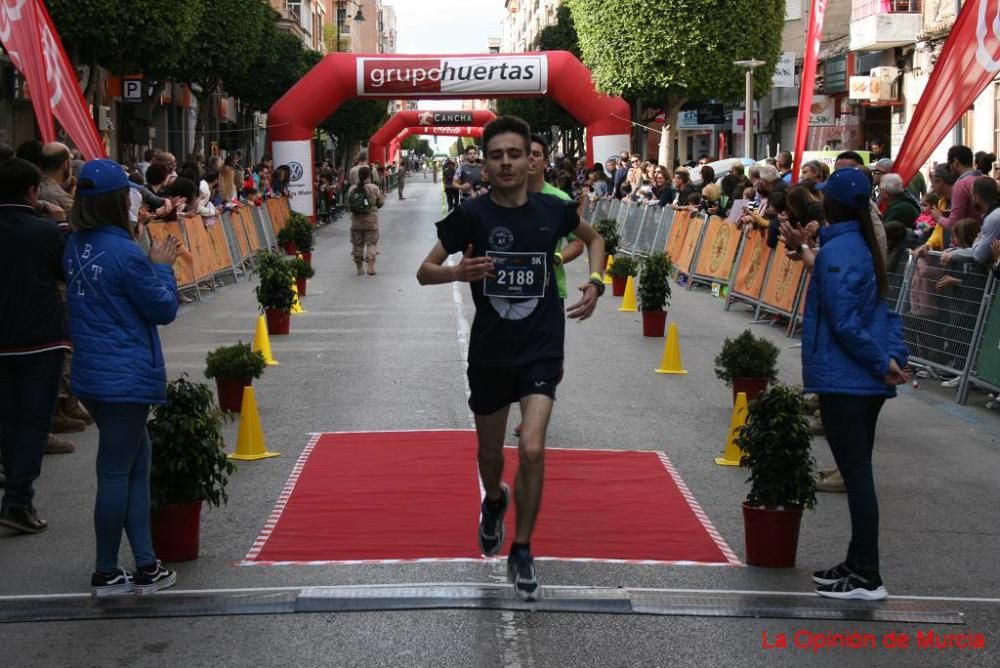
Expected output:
(943, 308)
(951, 326)
(984, 368)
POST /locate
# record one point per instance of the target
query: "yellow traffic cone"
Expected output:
(262, 342)
(629, 302)
(250, 441)
(732, 454)
(671, 362)
(607, 276)
(296, 305)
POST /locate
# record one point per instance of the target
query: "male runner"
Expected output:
(468, 176)
(516, 347)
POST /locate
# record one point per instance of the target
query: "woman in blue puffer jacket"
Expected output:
(116, 297)
(853, 356)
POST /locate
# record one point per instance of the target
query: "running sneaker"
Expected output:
(153, 578)
(491, 529)
(855, 587)
(831, 575)
(111, 584)
(953, 382)
(521, 573)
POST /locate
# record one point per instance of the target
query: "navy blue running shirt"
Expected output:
(519, 315)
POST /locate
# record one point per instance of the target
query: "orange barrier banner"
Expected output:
(753, 263)
(250, 228)
(201, 249)
(783, 283)
(678, 230)
(695, 226)
(718, 250)
(221, 258)
(240, 232)
(274, 208)
(184, 266)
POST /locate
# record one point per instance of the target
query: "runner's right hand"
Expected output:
(473, 268)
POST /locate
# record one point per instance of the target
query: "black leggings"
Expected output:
(849, 422)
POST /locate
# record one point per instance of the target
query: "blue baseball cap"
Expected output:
(848, 185)
(107, 176)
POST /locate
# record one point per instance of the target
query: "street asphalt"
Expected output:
(383, 353)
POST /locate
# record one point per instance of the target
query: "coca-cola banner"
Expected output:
(969, 61)
(19, 34)
(813, 36)
(441, 77)
(33, 43)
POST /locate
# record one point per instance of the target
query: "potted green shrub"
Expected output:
(233, 368)
(654, 293)
(623, 267)
(189, 467)
(302, 271)
(274, 291)
(608, 229)
(776, 449)
(286, 239)
(748, 363)
(302, 234)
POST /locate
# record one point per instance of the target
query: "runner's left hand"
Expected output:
(584, 308)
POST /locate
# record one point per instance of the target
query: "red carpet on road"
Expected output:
(414, 495)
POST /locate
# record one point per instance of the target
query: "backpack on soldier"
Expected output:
(358, 202)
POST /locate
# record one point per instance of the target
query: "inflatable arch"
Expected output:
(419, 118)
(342, 76)
(437, 131)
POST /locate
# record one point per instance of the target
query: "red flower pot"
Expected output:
(618, 286)
(753, 387)
(231, 393)
(278, 321)
(290, 248)
(300, 285)
(772, 536)
(176, 530)
(654, 323)
(308, 257)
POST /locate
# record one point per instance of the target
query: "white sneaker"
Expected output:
(951, 383)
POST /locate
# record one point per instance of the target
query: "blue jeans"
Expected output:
(29, 388)
(123, 459)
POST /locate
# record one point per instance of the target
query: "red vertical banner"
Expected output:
(969, 61)
(65, 96)
(813, 36)
(19, 32)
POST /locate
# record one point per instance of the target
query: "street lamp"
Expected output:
(342, 16)
(748, 114)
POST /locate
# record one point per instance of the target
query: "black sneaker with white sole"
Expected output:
(855, 587)
(491, 529)
(114, 583)
(521, 573)
(153, 578)
(831, 575)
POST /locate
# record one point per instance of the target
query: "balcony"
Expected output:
(884, 24)
(290, 21)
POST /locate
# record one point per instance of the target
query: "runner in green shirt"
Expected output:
(537, 183)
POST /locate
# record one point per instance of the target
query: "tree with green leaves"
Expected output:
(542, 113)
(354, 121)
(147, 36)
(280, 62)
(664, 55)
(223, 52)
